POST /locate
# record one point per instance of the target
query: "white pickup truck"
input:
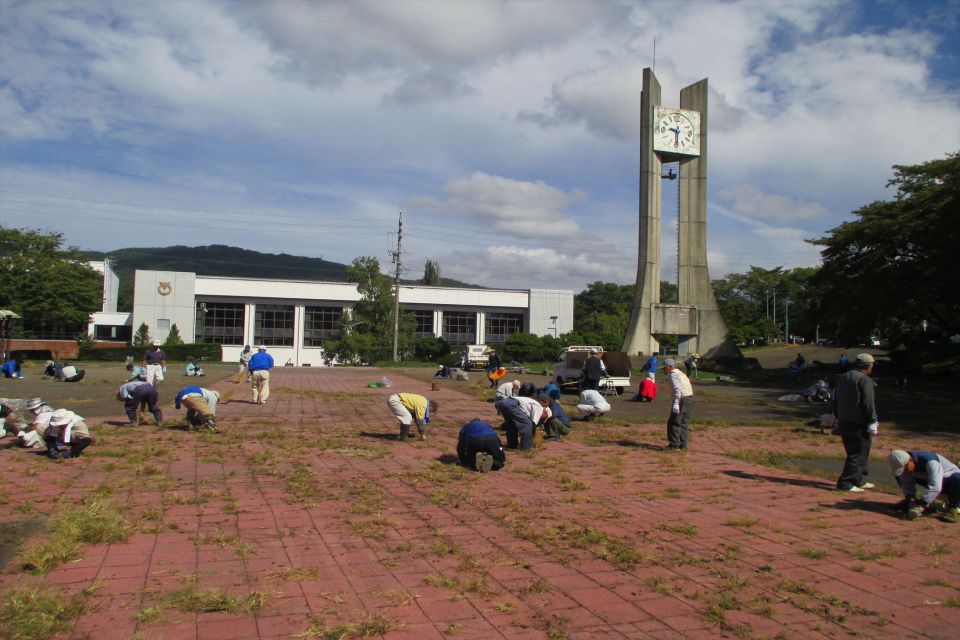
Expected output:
(568, 368)
(475, 357)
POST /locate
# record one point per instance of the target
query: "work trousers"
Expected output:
(144, 394)
(678, 425)
(261, 385)
(856, 442)
(517, 424)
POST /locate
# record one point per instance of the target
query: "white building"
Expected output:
(294, 317)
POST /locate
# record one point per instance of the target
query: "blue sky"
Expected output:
(507, 132)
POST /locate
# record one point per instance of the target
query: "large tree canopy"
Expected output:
(893, 267)
(52, 289)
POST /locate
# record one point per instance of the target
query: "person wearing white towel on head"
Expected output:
(592, 404)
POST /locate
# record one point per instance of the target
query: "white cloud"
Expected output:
(754, 203)
(525, 209)
(517, 267)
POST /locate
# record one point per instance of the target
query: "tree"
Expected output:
(54, 290)
(142, 337)
(894, 267)
(431, 273)
(368, 333)
(173, 338)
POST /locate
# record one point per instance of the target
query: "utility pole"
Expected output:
(396, 289)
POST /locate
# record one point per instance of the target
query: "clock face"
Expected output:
(676, 131)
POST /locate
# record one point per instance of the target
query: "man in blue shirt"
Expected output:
(479, 447)
(201, 405)
(259, 367)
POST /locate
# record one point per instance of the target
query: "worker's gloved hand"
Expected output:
(675, 408)
(873, 428)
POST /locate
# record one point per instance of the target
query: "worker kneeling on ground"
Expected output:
(201, 406)
(936, 474)
(479, 447)
(67, 436)
(592, 404)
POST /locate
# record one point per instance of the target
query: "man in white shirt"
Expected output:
(681, 407)
(592, 404)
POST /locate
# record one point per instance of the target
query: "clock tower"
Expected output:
(675, 135)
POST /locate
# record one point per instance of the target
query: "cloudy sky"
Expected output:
(507, 132)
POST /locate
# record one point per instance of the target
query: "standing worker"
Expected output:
(245, 356)
(856, 411)
(260, 364)
(155, 362)
(493, 365)
(593, 370)
(681, 408)
(691, 364)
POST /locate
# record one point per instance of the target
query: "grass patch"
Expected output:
(814, 554)
(35, 614)
(681, 527)
(745, 523)
(605, 546)
(96, 523)
(372, 626)
(863, 553)
(295, 574)
(193, 600)
(539, 585)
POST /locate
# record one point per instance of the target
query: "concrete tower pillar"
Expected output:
(638, 338)
(697, 317)
(694, 278)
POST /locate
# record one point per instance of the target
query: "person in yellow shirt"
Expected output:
(410, 408)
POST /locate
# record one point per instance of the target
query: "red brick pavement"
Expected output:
(305, 507)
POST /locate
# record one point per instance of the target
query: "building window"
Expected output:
(459, 327)
(499, 326)
(424, 323)
(273, 325)
(320, 323)
(220, 322)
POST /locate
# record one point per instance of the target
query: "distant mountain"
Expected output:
(221, 260)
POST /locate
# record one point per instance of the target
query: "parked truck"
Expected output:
(568, 368)
(475, 357)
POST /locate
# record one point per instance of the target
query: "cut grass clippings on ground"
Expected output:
(95, 523)
(373, 626)
(35, 614)
(193, 600)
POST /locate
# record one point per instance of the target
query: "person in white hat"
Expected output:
(66, 429)
(935, 473)
(260, 364)
(155, 362)
(856, 410)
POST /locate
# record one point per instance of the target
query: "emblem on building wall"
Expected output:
(165, 288)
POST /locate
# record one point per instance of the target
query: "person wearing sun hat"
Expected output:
(66, 429)
(855, 407)
(935, 473)
(155, 362)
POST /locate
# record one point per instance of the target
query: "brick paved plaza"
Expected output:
(305, 519)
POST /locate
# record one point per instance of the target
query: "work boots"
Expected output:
(404, 433)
